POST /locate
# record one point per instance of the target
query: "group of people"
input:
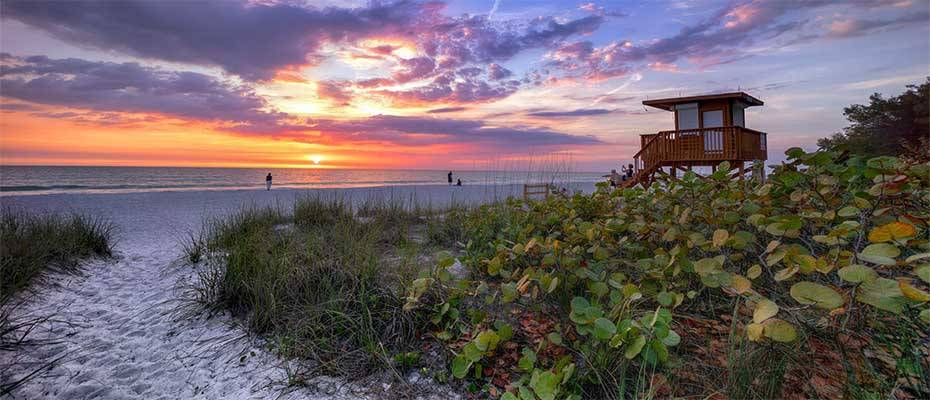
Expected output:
(627, 173)
(458, 182)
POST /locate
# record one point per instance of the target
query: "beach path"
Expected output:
(118, 331)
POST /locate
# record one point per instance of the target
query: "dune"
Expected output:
(122, 329)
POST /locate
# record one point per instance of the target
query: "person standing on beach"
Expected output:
(450, 178)
(268, 182)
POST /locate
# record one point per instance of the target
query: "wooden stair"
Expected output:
(683, 149)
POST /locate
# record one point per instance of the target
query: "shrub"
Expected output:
(596, 292)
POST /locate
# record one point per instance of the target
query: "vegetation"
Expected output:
(887, 127)
(325, 282)
(813, 284)
(810, 285)
(31, 245)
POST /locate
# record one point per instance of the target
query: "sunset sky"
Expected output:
(428, 84)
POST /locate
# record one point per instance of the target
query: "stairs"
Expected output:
(642, 176)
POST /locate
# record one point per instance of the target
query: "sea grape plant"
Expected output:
(825, 234)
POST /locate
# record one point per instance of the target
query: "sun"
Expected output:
(315, 158)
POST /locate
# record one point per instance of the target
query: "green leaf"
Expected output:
(923, 272)
(754, 271)
(665, 298)
(816, 294)
(444, 259)
(779, 331)
(528, 360)
(472, 352)
(545, 385)
(848, 211)
(635, 347)
(509, 396)
(706, 266)
(882, 293)
(554, 338)
(604, 328)
(460, 366)
(672, 339)
(494, 266)
(857, 273)
(487, 341)
(880, 253)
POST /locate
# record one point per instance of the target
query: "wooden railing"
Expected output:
(700, 146)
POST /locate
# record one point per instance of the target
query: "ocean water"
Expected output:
(33, 180)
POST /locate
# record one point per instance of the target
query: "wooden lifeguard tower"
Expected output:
(709, 129)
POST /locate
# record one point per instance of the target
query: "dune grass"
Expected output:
(32, 245)
(324, 282)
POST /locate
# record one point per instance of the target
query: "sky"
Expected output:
(428, 84)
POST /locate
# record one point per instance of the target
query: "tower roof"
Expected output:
(667, 103)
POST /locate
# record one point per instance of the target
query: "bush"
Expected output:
(590, 296)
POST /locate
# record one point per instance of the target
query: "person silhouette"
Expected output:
(268, 182)
(450, 178)
(458, 183)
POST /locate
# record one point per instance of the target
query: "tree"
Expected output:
(890, 126)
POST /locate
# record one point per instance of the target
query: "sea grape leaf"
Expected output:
(816, 294)
(635, 347)
(460, 366)
(494, 266)
(923, 272)
(880, 253)
(882, 293)
(857, 273)
(779, 331)
(764, 310)
(528, 360)
(912, 292)
(545, 385)
(604, 328)
(754, 331)
(720, 237)
(739, 283)
(892, 231)
(754, 271)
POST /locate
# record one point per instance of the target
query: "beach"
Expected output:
(123, 330)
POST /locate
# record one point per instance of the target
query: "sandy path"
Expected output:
(120, 333)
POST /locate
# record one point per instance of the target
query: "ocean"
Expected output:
(33, 180)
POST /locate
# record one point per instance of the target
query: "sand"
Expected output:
(121, 330)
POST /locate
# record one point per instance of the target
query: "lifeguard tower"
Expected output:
(709, 129)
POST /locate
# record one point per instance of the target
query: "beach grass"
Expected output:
(324, 282)
(32, 245)
(35, 243)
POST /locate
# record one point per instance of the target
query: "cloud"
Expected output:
(425, 131)
(130, 87)
(721, 38)
(497, 72)
(251, 40)
(446, 110)
(453, 88)
(847, 28)
(573, 113)
(333, 91)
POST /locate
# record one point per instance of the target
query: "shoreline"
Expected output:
(583, 185)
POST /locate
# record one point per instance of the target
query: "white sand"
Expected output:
(121, 335)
